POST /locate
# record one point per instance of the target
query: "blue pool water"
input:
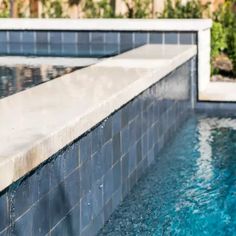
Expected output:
(190, 190)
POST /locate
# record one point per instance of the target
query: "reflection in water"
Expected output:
(16, 78)
(191, 189)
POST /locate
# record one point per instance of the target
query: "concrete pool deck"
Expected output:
(38, 122)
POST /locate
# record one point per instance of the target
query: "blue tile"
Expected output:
(15, 37)
(83, 49)
(55, 49)
(70, 225)
(3, 47)
(6, 232)
(107, 130)
(56, 170)
(57, 205)
(41, 37)
(55, 37)
(97, 197)
(116, 122)
(85, 177)
(28, 37)
(96, 135)
(116, 198)
(171, 38)
(107, 210)
(25, 194)
(139, 151)
(41, 217)
(97, 49)
(4, 212)
(140, 39)
(116, 176)
(132, 158)
(44, 179)
(71, 160)
(72, 189)
(97, 166)
(116, 148)
(97, 37)
(14, 48)
(28, 48)
(69, 49)
(69, 37)
(126, 38)
(23, 226)
(111, 38)
(124, 116)
(86, 210)
(125, 167)
(156, 38)
(108, 186)
(85, 148)
(132, 132)
(107, 156)
(185, 38)
(83, 37)
(124, 140)
(3, 36)
(111, 49)
(42, 48)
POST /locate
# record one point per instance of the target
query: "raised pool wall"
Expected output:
(75, 191)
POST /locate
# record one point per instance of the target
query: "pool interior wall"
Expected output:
(77, 189)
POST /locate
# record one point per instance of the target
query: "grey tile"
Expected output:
(41, 216)
(55, 49)
(132, 158)
(86, 210)
(42, 48)
(139, 151)
(194, 38)
(132, 132)
(111, 49)
(126, 38)
(28, 48)
(97, 49)
(111, 38)
(116, 198)
(156, 38)
(3, 47)
(124, 116)
(107, 130)
(185, 38)
(69, 49)
(171, 38)
(83, 49)
(15, 48)
(116, 147)
(85, 178)
(108, 210)
(4, 212)
(85, 148)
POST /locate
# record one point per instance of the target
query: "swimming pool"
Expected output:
(191, 188)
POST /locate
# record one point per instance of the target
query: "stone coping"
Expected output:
(106, 24)
(52, 61)
(38, 122)
(219, 91)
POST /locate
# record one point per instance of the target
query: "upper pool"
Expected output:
(20, 73)
(190, 190)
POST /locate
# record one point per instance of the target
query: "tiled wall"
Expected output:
(77, 189)
(94, 44)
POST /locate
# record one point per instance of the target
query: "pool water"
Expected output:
(191, 188)
(16, 78)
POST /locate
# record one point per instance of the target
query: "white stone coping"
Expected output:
(219, 91)
(50, 61)
(37, 122)
(106, 24)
